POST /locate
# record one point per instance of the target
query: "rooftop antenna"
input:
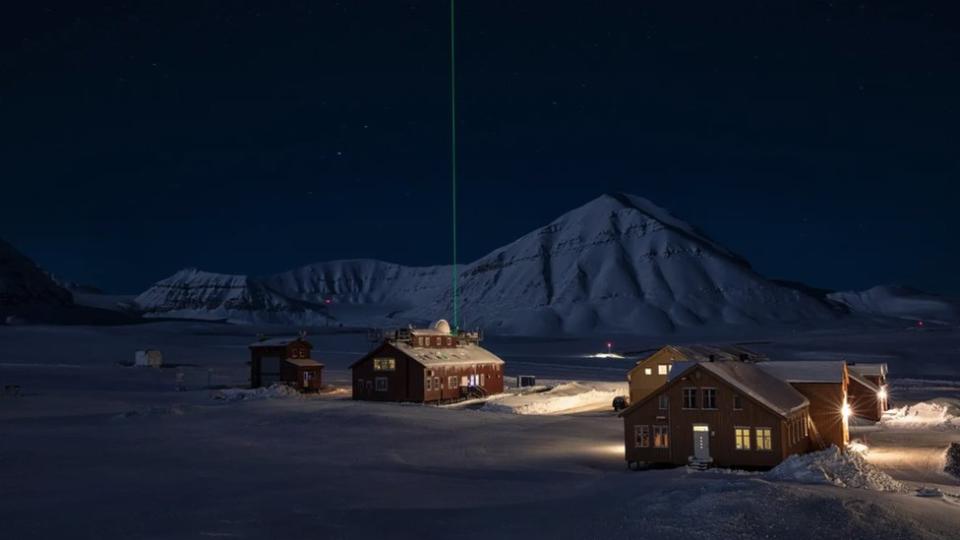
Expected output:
(453, 164)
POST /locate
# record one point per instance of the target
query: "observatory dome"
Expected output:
(442, 326)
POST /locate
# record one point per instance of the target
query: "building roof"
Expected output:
(433, 356)
(858, 378)
(752, 382)
(278, 342)
(304, 362)
(706, 353)
(806, 371)
(870, 369)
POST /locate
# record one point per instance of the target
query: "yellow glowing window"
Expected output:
(384, 364)
(741, 438)
(764, 438)
(661, 436)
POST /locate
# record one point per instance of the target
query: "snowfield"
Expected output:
(927, 415)
(95, 450)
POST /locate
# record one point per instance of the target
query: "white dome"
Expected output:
(442, 326)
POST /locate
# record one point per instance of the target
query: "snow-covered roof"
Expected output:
(869, 370)
(856, 377)
(304, 362)
(752, 382)
(463, 354)
(277, 342)
(705, 353)
(806, 371)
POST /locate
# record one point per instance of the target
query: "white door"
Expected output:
(701, 441)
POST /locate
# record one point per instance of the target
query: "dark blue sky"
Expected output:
(820, 140)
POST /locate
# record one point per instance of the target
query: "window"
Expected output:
(689, 398)
(384, 364)
(737, 402)
(764, 438)
(664, 402)
(449, 341)
(806, 425)
(661, 436)
(662, 369)
(436, 383)
(709, 398)
(647, 371)
(381, 384)
(452, 381)
(483, 378)
(642, 436)
(428, 383)
(741, 438)
(369, 385)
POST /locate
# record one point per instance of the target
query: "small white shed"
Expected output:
(148, 358)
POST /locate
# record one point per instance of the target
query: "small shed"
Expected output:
(267, 358)
(303, 374)
(148, 358)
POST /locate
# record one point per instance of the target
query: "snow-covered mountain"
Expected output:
(618, 263)
(901, 303)
(23, 283)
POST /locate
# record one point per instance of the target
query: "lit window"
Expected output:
(737, 403)
(642, 436)
(709, 398)
(648, 371)
(381, 384)
(741, 438)
(764, 438)
(661, 436)
(689, 398)
(664, 402)
(384, 364)
(662, 369)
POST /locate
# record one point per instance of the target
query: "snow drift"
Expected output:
(618, 263)
(562, 398)
(937, 414)
(831, 466)
(900, 303)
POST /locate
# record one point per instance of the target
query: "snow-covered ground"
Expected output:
(93, 449)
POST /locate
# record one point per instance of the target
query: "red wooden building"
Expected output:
(729, 414)
(825, 385)
(285, 360)
(427, 366)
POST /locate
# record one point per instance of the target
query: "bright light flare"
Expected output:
(882, 394)
(845, 411)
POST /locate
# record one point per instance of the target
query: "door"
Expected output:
(701, 441)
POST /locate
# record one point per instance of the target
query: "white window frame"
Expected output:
(639, 431)
(757, 439)
(663, 369)
(453, 381)
(737, 397)
(703, 398)
(647, 371)
(663, 402)
(742, 434)
(428, 383)
(382, 384)
(664, 431)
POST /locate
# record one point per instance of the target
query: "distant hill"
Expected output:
(901, 303)
(618, 263)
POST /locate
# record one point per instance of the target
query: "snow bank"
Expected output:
(249, 394)
(565, 397)
(831, 466)
(923, 415)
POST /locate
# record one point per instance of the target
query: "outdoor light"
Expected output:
(845, 411)
(882, 394)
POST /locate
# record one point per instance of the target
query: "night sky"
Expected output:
(818, 139)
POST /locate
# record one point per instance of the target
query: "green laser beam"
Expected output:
(453, 162)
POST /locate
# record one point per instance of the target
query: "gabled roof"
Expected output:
(707, 353)
(440, 356)
(304, 362)
(860, 379)
(756, 384)
(870, 369)
(279, 342)
(806, 371)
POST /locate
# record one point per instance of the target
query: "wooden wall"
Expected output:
(826, 401)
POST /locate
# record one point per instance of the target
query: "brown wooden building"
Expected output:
(651, 373)
(866, 399)
(875, 373)
(824, 384)
(284, 360)
(729, 414)
(427, 366)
